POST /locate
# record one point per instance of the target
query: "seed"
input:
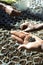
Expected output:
(23, 57)
(37, 60)
(31, 39)
(11, 63)
(15, 58)
(0, 63)
(29, 63)
(6, 60)
(11, 48)
(10, 55)
(23, 62)
(1, 56)
(4, 51)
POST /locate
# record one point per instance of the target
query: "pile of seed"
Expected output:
(9, 54)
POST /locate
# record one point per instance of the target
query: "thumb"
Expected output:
(22, 46)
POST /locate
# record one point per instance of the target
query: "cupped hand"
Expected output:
(24, 39)
(30, 26)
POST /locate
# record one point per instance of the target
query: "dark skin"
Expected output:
(23, 38)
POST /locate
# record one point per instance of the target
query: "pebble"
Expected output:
(11, 63)
(23, 57)
(29, 63)
(0, 63)
(32, 39)
(1, 56)
(6, 59)
(37, 60)
(22, 61)
(4, 51)
(15, 58)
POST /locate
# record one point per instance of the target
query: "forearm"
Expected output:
(38, 26)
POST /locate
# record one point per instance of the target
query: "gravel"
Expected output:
(9, 55)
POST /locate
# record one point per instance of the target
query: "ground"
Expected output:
(9, 55)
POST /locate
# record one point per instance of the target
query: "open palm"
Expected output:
(23, 38)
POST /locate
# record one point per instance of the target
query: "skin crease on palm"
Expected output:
(23, 38)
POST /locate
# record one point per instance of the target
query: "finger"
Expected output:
(17, 38)
(27, 26)
(27, 46)
(31, 46)
(21, 46)
(27, 29)
(19, 34)
(24, 25)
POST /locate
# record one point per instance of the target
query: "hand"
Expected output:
(30, 26)
(23, 38)
(10, 10)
